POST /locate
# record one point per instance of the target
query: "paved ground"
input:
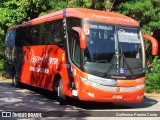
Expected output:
(32, 99)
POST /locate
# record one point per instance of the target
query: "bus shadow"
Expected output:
(34, 100)
(147, 102)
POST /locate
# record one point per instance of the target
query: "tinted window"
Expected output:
(42, 34)
(76, 50)
(9, 45)
(129, 42)
(72, 22)
(100, 43)
(10, 38)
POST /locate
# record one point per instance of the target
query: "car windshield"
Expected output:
(103, 40)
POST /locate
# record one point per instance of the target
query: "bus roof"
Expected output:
(102, 16)
(83, 13)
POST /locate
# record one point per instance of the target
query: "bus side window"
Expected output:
(58, 33)
(9, 45)
(76, 50)
(33, 39)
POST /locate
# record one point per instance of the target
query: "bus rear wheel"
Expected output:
(15, 82)
(61, 96)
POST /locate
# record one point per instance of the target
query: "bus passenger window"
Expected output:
(76, 51)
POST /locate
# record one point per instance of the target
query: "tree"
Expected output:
(146, 12)
(9, 16)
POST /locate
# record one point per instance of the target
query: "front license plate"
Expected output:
(117, 97)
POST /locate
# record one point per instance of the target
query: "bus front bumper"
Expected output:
(110, 94)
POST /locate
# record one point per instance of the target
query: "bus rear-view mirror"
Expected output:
(154, 43)
(82, 37)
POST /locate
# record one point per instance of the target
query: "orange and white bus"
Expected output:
(80, 53)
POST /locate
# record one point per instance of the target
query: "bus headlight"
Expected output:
(88, 82)
(140, 86)
(95, 80)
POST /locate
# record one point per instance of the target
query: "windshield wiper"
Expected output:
(111, 64)
(128, 66)
(123, 60)
(114, 59)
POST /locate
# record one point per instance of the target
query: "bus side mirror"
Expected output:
(82, 37)
(154, 43)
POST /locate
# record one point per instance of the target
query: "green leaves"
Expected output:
(147, 12)
(153, 76)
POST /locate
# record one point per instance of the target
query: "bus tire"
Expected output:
(61, 96)
(15, 82)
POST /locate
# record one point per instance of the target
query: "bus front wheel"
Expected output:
(62, 97)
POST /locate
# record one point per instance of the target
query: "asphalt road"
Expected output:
(36, 103)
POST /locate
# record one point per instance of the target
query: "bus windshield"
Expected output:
(105, 41)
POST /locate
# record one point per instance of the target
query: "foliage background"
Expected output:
(146, 12)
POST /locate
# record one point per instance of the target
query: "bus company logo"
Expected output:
(110, 18)
(118, 89)
(44, 59)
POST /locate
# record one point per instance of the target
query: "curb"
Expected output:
(152, 95)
